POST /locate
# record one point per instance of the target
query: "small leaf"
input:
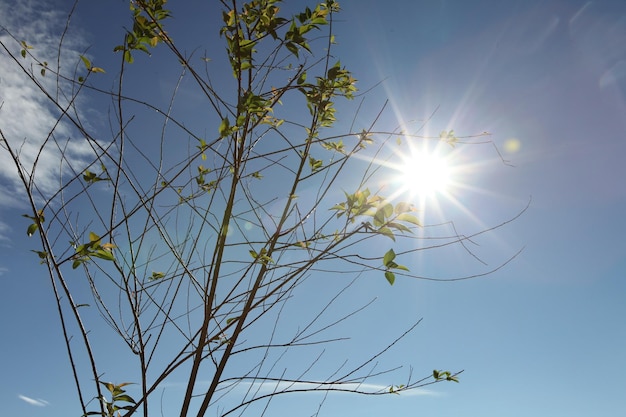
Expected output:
(301, 78)
(157, 275)
(93, 237)
(96, 69)
(231, 319)
(315, 164)
(128, 57)
(399, 226)
(41, 254)
(224, 127)
(32, 229)
(403, 207)
(389, 257)
(124, 397)
(86, 62)
(104, 254)
(109, 386)
(390, 276)
(385, 231)
(409, 218)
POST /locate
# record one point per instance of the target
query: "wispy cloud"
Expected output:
(4, 231)
(285, 386)
(267, 387)
(26, 116)
(32, 401)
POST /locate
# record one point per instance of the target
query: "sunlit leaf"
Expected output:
(389, 256)
(32, 229)
(224, 127)
(86, 61)
(385, 231)
(124, 397)
(104, 254)
(157, 275)
(409, 218)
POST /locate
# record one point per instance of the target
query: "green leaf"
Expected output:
(41, 254)
(315, 164)
(231, 319)
(93, 237)
(292, 48)
(390, 276)
(32, 229)
(301, 79)
(403, 207)
(409, 218)
(224, 128)
(128, 57)
(399, 226)
(86, 62)
(104, 254)
(77, 263)
(389, 256)
(156, 275)
(385, 231)
(124, 397)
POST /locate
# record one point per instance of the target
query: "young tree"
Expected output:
(207, 245)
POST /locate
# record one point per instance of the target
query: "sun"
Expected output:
(425, 173)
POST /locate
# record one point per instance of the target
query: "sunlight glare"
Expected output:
(425, 174)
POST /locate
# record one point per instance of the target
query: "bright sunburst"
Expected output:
(425, 173)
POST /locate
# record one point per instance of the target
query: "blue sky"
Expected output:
(545, 336)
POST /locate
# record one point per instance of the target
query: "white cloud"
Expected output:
(27, 116)
(284, 386)
(32, 401)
